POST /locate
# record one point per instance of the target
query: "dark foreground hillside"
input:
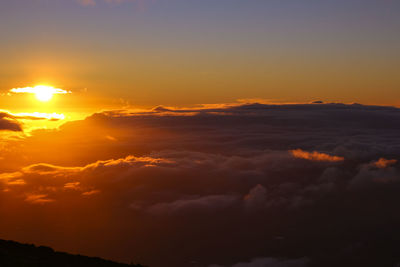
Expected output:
(22, 255)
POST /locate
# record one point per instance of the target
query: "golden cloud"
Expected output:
(315, 156)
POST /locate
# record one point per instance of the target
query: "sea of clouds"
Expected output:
(245, 185)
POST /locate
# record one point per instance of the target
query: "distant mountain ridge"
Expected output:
(26, 255)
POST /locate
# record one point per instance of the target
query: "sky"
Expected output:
(183, 133)
(180, 53)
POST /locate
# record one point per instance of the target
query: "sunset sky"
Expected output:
(184, 52)
(208, 133)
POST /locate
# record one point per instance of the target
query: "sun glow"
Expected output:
(43, 93)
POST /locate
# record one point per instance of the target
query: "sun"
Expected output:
(44, 93)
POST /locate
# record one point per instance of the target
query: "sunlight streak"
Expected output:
(39, 115)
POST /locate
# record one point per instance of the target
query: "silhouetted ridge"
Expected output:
(23, 255)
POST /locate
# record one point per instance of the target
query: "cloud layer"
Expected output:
(223, 185)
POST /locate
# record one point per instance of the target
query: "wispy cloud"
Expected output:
(315, 156)
(34, 90)
(38, 199)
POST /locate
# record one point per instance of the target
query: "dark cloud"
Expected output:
(226, 185)
(9, 122)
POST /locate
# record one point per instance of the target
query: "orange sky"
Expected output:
(111, 54)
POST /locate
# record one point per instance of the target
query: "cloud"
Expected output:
(370, 176)
(43, 168)
(91, 192)
(257, 197)
(196, 204)
(34, 90)
(14, 122)
(72, 185)
(277, 184)
(41, 180)
(40, 116)
(38, 199)
(315, 156)
(9, 122)
(384, 163)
